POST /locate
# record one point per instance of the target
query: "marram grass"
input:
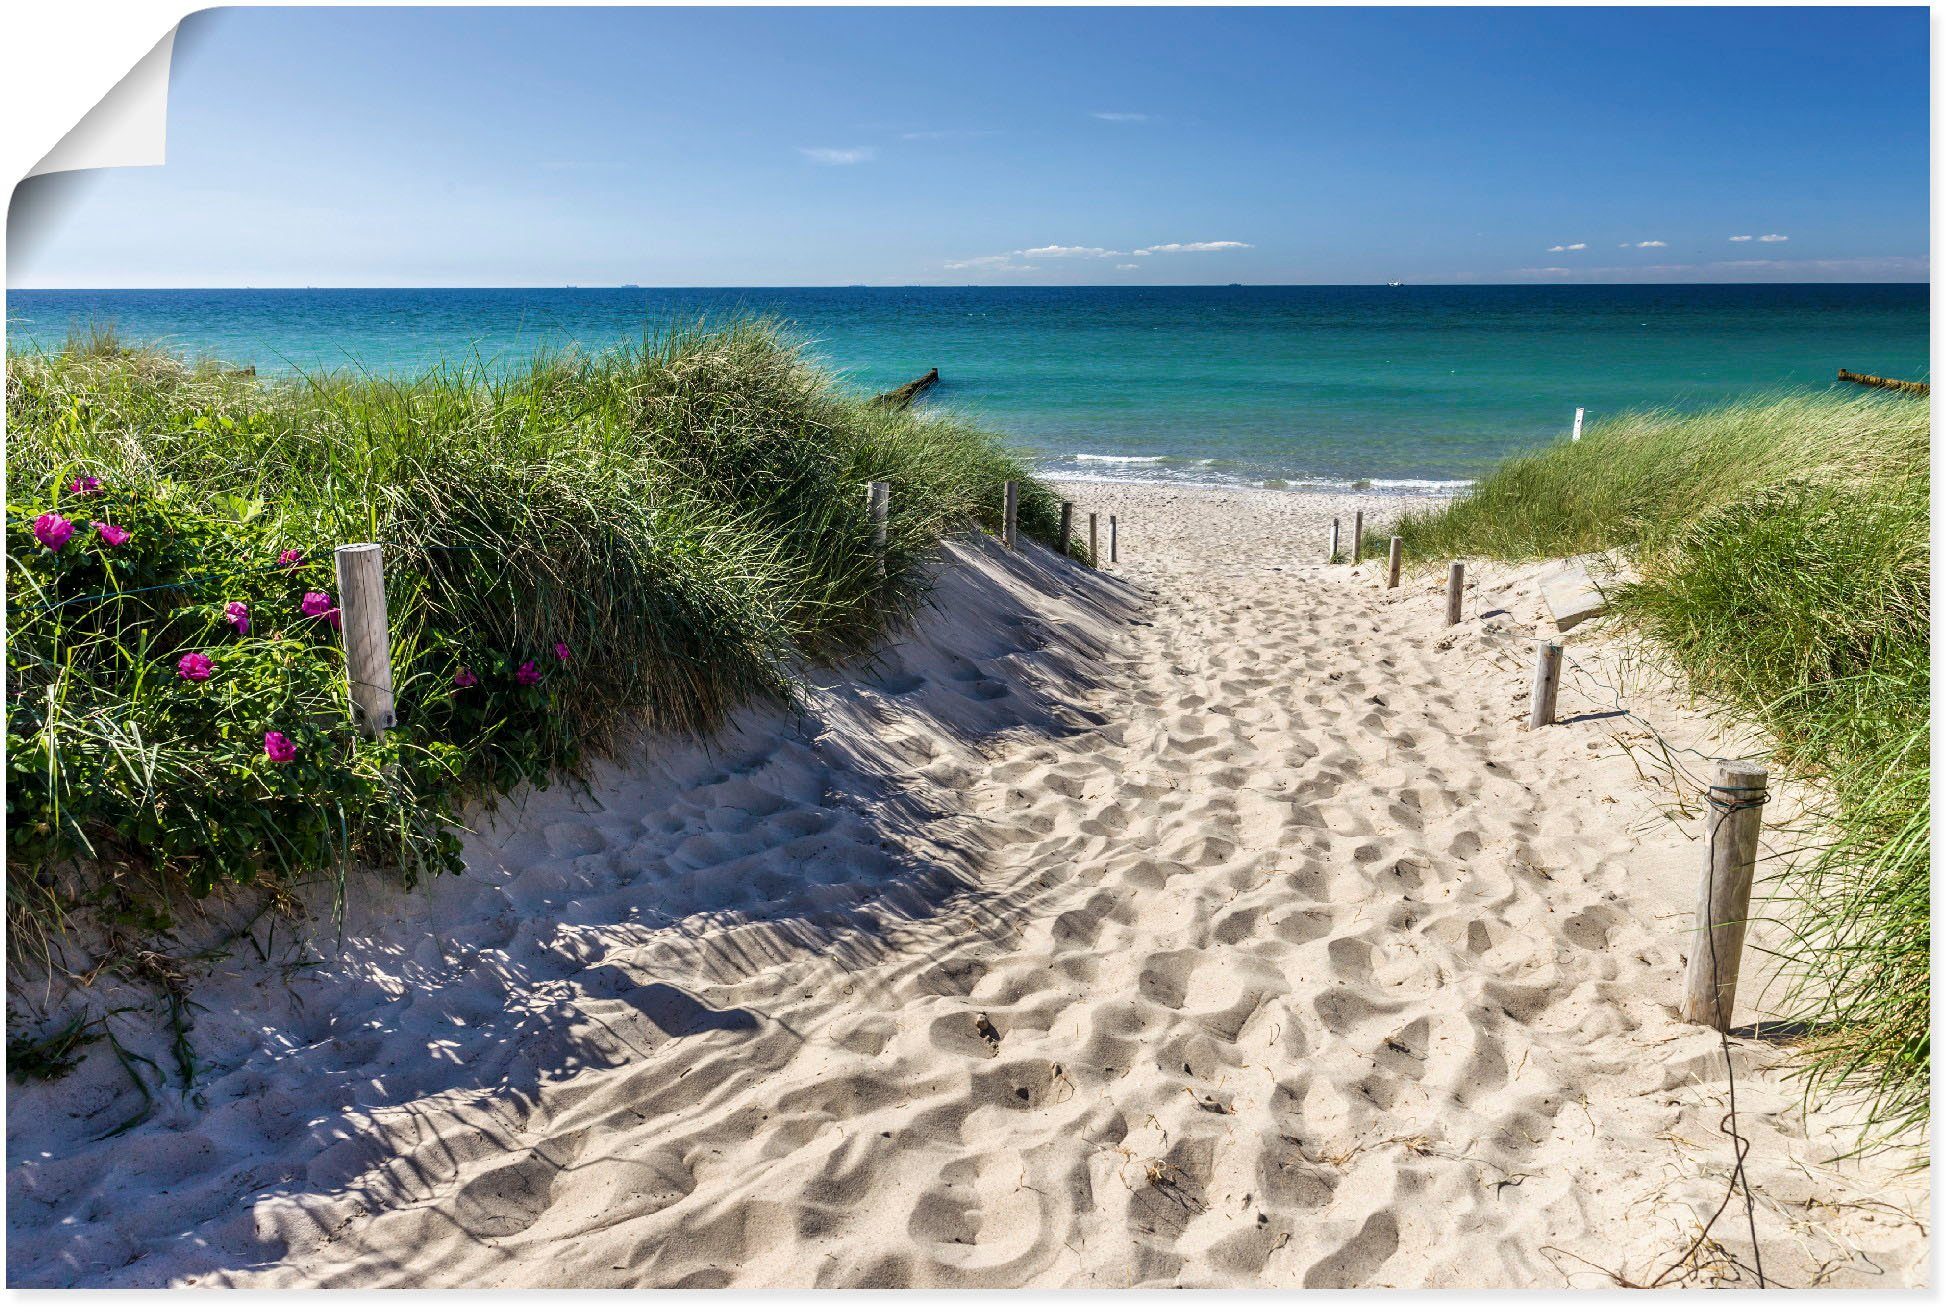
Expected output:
(651, 536)
(1784, 552)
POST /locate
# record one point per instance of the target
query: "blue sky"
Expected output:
(779, 147)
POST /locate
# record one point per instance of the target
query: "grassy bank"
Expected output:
(1783, 545)
(656, 536)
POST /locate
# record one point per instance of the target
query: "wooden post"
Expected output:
(1578, 412)
(1736, 817)
(1357, 537)
(1394, 557)
(1547, 683)
(1332, 557)
(1455, 590)
(1009, 532)
(1113, 549)
(878, 504)
(1067, 526)
(368, 644)
(1094, 539)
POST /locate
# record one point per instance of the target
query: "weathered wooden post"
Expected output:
(1455, 591)
(1357, 537)
(1113, 549)
(1067, 526)
(1394, 557)
(1736, 818)
(1547, 683)
(1009, 532)
(1578, 412)
(1331, 557)
(368, 644)
(878, 504)
(1094, 539)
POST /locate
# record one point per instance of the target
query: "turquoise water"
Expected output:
(1401, 386)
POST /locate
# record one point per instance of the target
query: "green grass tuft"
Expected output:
(687, 515)
(1784, 551)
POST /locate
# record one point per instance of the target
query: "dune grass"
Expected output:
(653, 536)
(1783, 546)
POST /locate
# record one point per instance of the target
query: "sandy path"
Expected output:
(1227, 930)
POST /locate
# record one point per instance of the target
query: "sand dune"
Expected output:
(1211, 921)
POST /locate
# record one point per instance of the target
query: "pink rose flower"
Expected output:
(528, 674)
(86, 485)
(238, 615)
(314, 604)
(53, 531)
(465, 679)
(113, 534)
(291, 559)
(195, 667)
(561, 652)
(279, 749)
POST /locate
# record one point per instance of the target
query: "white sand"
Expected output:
(1208, 921)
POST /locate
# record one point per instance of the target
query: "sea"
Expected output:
(1405, 389)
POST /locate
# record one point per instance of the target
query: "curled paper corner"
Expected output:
(128, 127)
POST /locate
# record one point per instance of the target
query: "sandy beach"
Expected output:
(1209, 919)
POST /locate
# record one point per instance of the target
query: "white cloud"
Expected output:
(839, 154)
(1007, 263)
(989, 264)
(1645, 245)
(1572, 246)
(1177, 247)
(1119, 116)
(1773, 236)
(1744, 237)
(1900, 268)
(1067, 252)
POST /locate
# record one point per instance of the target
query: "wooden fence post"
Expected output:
(1455, 591)
(1736, 817)
(1331, 558)
(1547, 683)
(368, 644)
(1113, 540)
(1094, 539)
(1010, 526)
(878, 504)
(1067, 526)
(1357, 537)
(1394, 557)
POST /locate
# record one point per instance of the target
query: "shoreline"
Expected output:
(1384, 488)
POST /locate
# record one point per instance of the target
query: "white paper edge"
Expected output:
(128, 127)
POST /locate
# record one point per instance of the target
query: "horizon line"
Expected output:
(951, 286)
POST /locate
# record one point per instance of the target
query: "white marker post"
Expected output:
(1736, 820)
(368, 645)
(1578, 412)
(878, 505)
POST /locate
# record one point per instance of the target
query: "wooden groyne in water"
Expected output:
(900, 398)
(1894, 384)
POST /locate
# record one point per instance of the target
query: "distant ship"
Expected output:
(1395, 283)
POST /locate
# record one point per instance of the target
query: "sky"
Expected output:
(808, 147)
